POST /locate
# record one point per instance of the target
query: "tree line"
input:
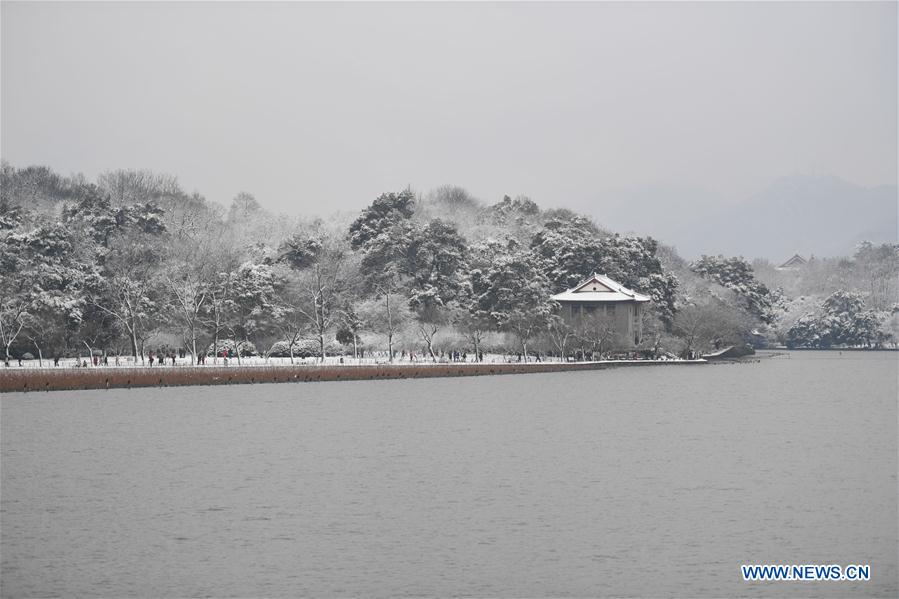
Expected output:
(130, 262)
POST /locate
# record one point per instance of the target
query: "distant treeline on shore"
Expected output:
(131, 263)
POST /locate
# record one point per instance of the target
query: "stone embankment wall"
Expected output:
(49, 379)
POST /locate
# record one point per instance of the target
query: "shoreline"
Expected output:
(111, 377)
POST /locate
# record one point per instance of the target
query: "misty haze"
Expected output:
(670, 121)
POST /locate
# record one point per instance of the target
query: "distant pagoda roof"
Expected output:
(600, 288)
(794, 262)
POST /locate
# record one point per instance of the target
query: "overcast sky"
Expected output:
(317, 107)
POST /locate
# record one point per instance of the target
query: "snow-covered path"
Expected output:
(258, 361)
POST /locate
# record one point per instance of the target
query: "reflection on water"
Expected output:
(641, 482)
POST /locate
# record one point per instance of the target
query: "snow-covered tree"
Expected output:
(843, 319)
(559, 333)
(598, 331)
(190, 273)
(520, 211)
(431, 317)
(737, 275)
(128, 187)
(634, 262)
(387, 210)
(250, 301)
(313, 294)
(10, 215)
(351, 324)
(514, 293)
(34, 187)
(435, 261)
(569, 251)
(889, 326)
(43, 274)
(707, 319)
(130, 288)
(877, 268)
(386, 314)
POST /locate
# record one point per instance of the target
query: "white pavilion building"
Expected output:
(601, 296)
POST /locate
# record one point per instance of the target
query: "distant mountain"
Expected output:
(658, 210)
(824, 216)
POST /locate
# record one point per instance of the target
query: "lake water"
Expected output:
(635, 482)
